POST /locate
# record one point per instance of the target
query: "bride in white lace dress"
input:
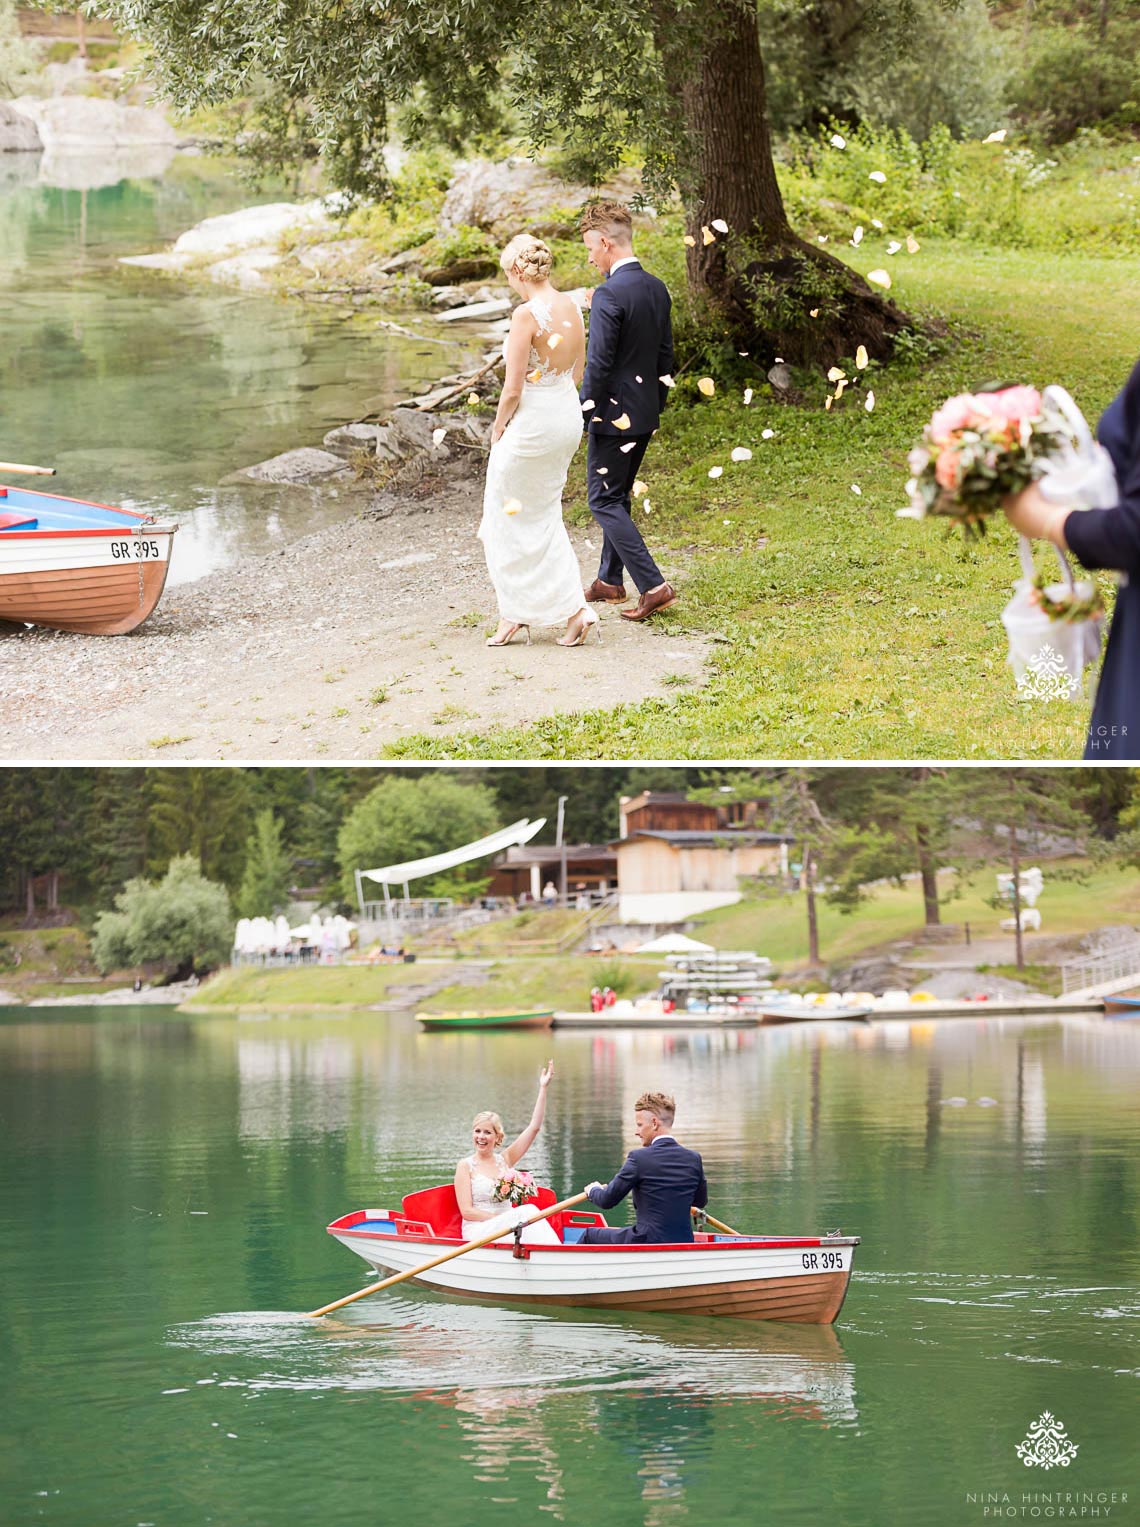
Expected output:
(476, 1174)
(537, 429)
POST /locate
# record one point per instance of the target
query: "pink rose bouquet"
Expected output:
(980, 447)
(513, 1187)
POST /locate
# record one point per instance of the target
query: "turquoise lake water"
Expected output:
(167, 1182)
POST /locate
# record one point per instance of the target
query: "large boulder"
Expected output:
(251, 226)
(515, 195)
(90, 121)
(18, 132)
(306, 465)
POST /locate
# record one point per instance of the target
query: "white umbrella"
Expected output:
(675, 943)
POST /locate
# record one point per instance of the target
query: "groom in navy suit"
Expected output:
(666, 1179)
(630, 351)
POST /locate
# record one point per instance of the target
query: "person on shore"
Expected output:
(667, 1181)
(537, 429)
(477, 1174)
(1104, 538)
(628, 374)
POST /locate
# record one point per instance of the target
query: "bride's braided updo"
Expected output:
(528, 257)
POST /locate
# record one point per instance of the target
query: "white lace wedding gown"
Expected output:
(482, 1189)
(529, 556)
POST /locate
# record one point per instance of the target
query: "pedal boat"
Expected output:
(78, 566)
(788, 1278)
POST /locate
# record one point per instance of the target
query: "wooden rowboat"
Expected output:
(78, 566)
(791, 1278)
(533, 1020)
(1123, 1005)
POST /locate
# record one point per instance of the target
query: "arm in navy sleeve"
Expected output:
(701, 1196)
(666, 361)
(615, 1191)
(601, 353)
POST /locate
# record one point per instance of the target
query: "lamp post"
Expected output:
(560, 843)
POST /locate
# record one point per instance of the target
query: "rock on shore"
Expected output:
(18, 132)
(88, 122)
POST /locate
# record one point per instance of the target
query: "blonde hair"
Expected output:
(528, 257)
(487, 1117)
(660, 1104)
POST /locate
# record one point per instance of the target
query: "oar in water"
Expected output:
(716, 1224)
(414, 1272)
(15, 466)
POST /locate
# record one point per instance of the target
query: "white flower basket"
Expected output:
(1049, 657)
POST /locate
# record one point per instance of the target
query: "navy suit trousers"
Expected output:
(606, 1235)
(608, 494)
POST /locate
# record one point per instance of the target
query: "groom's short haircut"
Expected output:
(659, 1104)
(610, 218)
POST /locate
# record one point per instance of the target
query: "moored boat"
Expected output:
(788, 1278)
(1123, 1005)
(540, 1019)
(78, 566)
(806, 1011)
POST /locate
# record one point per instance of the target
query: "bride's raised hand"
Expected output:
(547, 1073)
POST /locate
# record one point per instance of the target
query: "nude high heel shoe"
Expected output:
(576, 634)
(508, 636)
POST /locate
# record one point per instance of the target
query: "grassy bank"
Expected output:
(837, 630)
(308, 986)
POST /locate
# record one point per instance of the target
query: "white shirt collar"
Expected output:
(663, 1137)
(626, 260)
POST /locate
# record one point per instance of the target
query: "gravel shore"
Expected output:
(336, 646)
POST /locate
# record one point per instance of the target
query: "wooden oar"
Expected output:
(15, 466)
(725, 1229)
(414, 1272)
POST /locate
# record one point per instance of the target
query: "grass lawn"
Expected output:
(778, 927)
(837, 630)
(306, 986)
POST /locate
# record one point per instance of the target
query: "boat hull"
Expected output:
(797, 1280)
(465, 1022)
(1123, 1005)
(80, 567)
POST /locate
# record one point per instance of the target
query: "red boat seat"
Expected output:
(10, 521)
(439, 1207)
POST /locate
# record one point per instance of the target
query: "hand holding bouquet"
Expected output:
(981, 447)
(513, 1187)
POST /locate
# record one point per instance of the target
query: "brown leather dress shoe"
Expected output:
(604, 593)
(650, 602)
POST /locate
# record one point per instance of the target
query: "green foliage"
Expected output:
(268, 869)
(402, 819)
(461, 243)
(20, 57)
(1068, 79)
(407, 215)
(182, 923)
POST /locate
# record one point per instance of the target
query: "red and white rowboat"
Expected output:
(793, 1278)
(78, 566)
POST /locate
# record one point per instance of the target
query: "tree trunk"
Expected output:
(30, 896)
(813, 924)
(1015, 863)
(929, 872)
(763, 278)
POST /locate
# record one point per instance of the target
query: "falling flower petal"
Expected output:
(828, 401)
(741, 453)
(438, 435)
(603, 471)
(726, 522)
(837, 142)
(690, 240)
(893, 247)
(630, 445)
(707, 386)
(855, 488)
(766, 434)
(472, 399)
(813, 313)
(512, 506)
(779, 360)
(589, 403)
(645, 506)
(715, 471)
(875, 223)
(637, 379)
(877, 175)
(622, 421)
(821, 238)
(879, 277)
(998, 137)
(912, 244)
(869, 405)
(639, 488)
(666, 380)
(535, 375)
(861, 358)
(707, 236)
(836, 374)
(747, 396)
(554, 341)
(857, 236)
(720, 225)
(839, 386)
(910, 513)
(588, 542)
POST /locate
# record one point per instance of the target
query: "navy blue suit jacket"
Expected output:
(630, 349)
(1111, 538)
(666, 1180)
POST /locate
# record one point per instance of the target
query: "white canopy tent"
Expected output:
(418, 869)
(674, 943)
